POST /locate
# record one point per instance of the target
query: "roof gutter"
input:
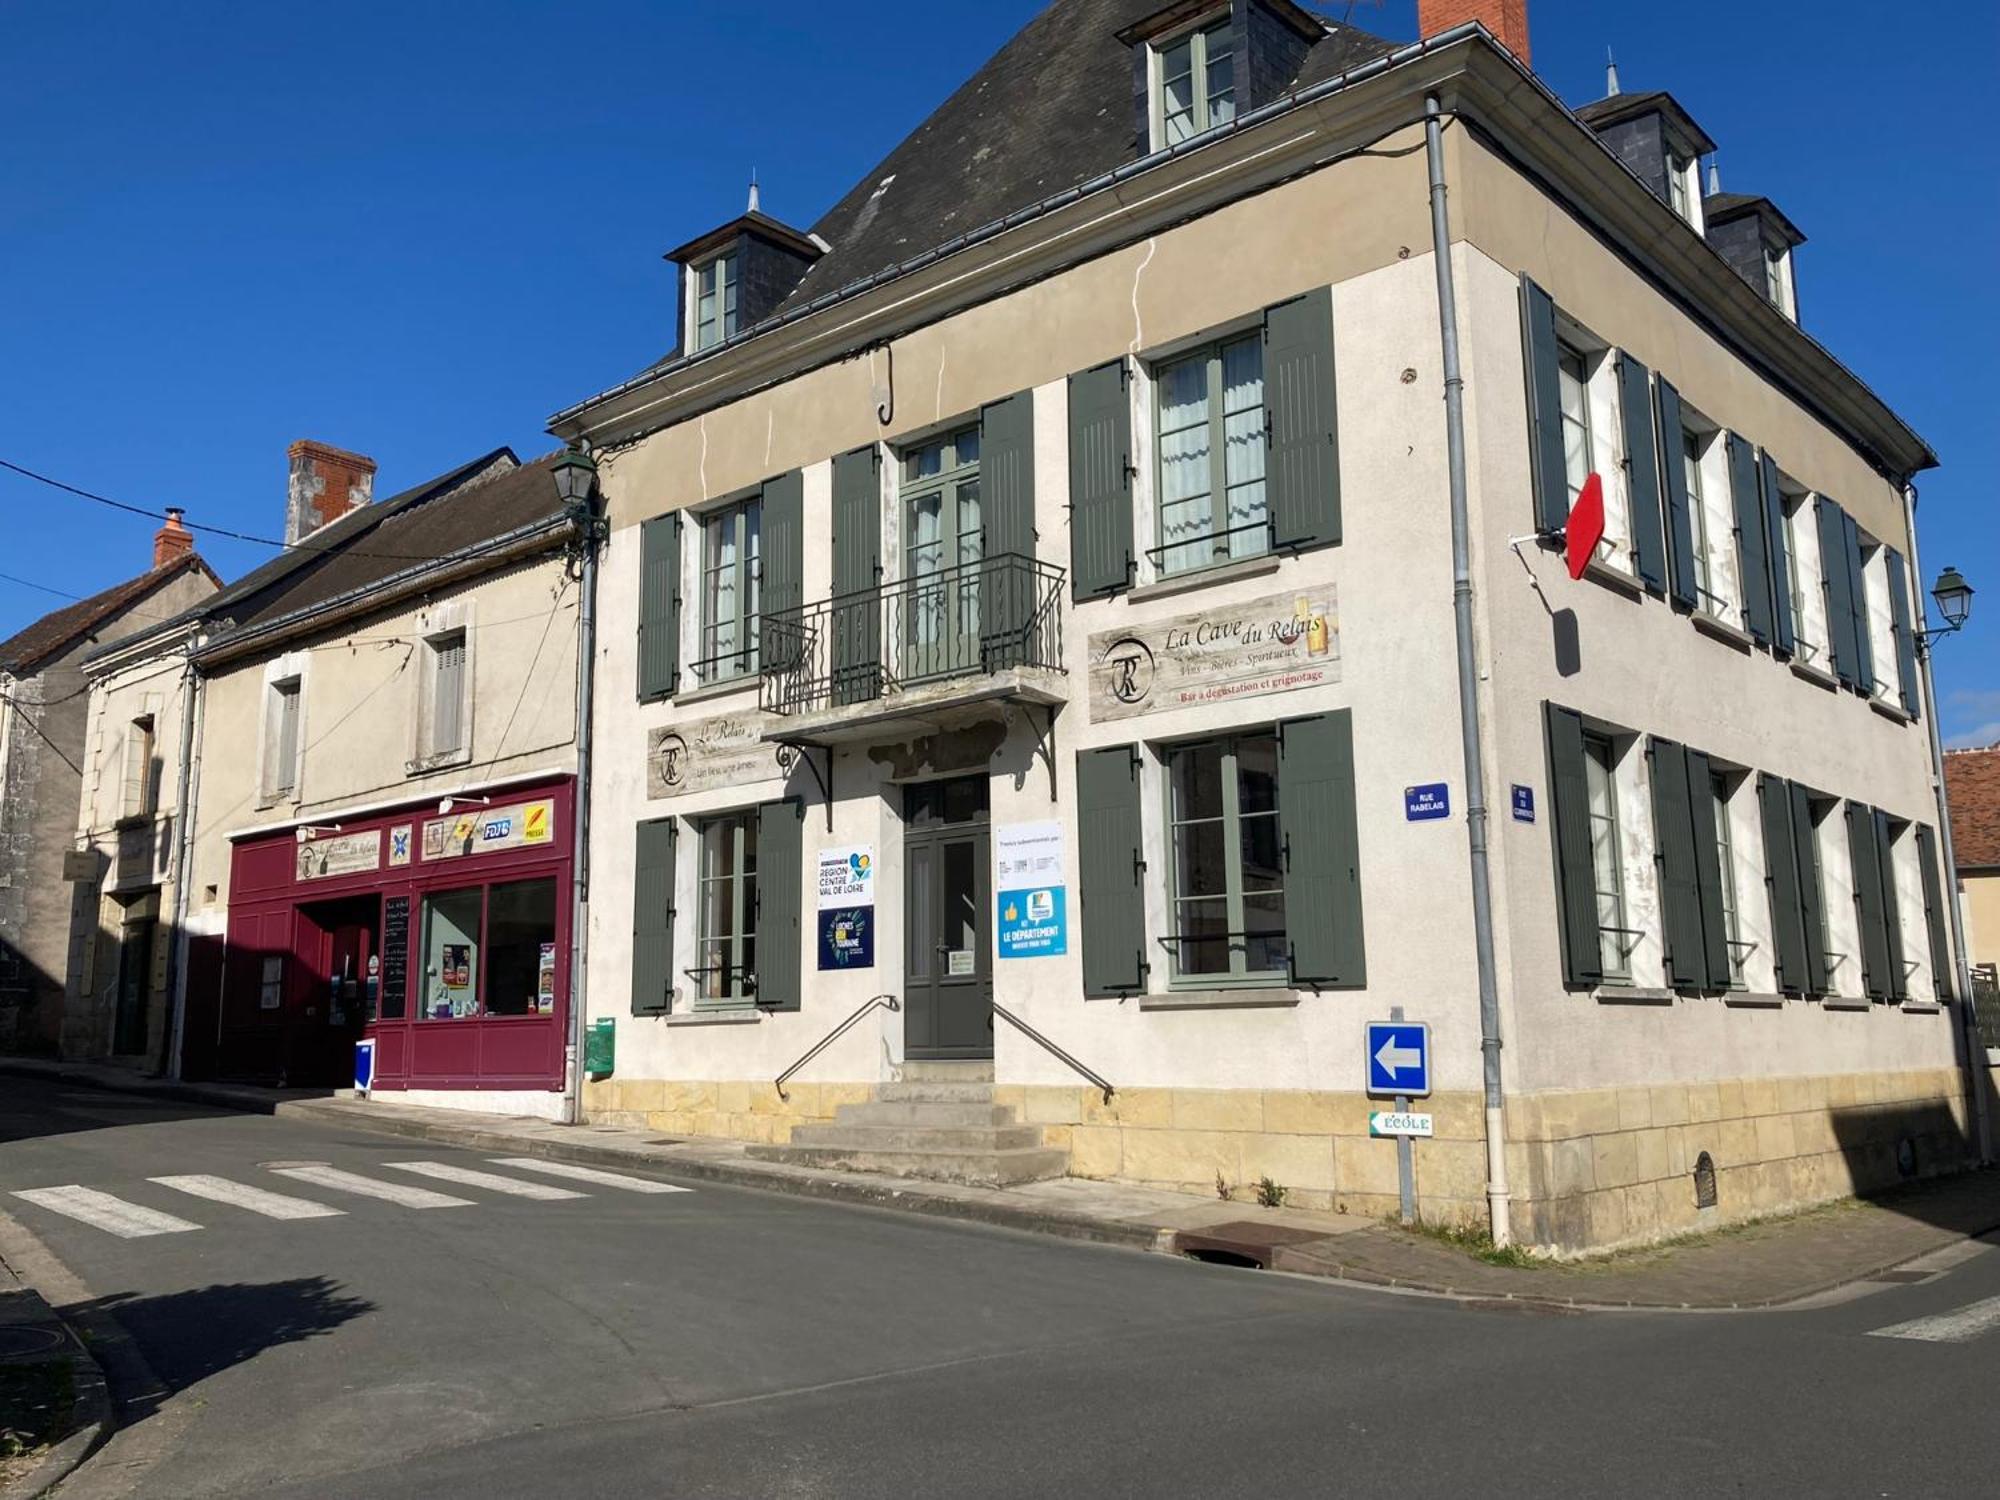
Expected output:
(481, 557)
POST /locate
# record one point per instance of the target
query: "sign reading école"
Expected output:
(1276, 644)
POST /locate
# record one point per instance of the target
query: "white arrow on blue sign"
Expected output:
(1399, 1058)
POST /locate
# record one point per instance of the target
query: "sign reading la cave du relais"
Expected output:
(1276, 644)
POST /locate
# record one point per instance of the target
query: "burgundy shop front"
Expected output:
(445, 938)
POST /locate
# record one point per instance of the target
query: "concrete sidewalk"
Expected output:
(52, 1393)
(1759, 1265)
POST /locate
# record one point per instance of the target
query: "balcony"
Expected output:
(922, 648)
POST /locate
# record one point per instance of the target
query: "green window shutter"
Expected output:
(1906, 643)
(857, 573)
(1545, 432)
(1704, 812)
(1007, 517)
(660, 607)
(1322, 851)
(1781, 880)
(1680, 887)
(1832, 527)
(1111, 898)
(1784, 633)
(1892, 913)
(782, 562)
(1576, 891)
(1680, 523)
(1302, 469)
(1642, 471)
(1869, 899)
(1752, 539)
(653, 919)
(1942, 972)
(1812, 888)
(1100, 482)
(780, 875)
(1857, 599)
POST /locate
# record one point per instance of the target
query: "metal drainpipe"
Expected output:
(177, 953)
(579, 927)
(1975, 1053)
(1468, 685)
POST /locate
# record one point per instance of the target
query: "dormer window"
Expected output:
(1195, 83)
(1778, 280)
(712, 302)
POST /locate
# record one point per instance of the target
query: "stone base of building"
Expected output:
(1589, 1170)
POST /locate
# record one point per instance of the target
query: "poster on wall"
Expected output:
(545, 982)
(1276, 644)
(847, 907)
(482, 830)
(1030, 877)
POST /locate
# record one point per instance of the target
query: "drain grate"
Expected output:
(1241, 1242)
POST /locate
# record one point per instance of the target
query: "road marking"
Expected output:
(369, 1187)
(113, 1215)
(242, 1195)
(588, 1174)
(491, 1181)
(1955, 1327)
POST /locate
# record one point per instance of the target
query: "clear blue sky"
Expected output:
(417, 229)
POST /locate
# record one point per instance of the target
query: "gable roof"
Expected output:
(56, 631)
(1972, 790)
(1614, 109)
(1720, 208)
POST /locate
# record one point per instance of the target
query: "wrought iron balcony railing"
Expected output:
(992, 615)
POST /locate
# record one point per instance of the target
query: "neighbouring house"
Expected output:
(1032, 728)
(382, 790)
(1972, 783)
(52, 753)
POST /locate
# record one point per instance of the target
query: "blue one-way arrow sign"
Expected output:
(1399, 1058)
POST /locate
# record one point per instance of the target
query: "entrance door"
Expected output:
(336, 940)
(947, 898)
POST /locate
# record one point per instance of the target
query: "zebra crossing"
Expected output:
(129, 1220)
(1959, 1326)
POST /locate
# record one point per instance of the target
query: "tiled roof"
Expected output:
(1972, 787)
(56, 631)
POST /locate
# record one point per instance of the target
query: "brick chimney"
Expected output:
(1506, 19)
(326, 484)
(173, 541)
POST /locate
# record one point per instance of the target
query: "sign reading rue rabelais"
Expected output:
(1275, 644)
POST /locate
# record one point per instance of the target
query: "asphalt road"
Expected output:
(723, 1342)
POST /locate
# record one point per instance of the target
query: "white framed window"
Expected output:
(1723, 785)
(283, 753)
(1226, 873)
(711, 302)
(1809, 621)
(726, 880)
(731, 581)
(1880, 622)
(139, 797)
(1194, 83)
(1209, 437)
(1615, 934)
(1778, 288)
(450, 693)
(1840, 916)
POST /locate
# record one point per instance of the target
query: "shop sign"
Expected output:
(726, 750)
(1275, 644)
(485, 830)
(1031, 880)
(343, 854)
(847, 907)
(399, 845)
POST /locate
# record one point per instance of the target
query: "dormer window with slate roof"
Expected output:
(711, 301)
(1659, 141)
(1198, 64)
(734, 277)
(1757, 240)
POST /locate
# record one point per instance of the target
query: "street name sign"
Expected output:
(1399, 1058)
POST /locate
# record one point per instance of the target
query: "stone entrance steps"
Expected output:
(938, 1121)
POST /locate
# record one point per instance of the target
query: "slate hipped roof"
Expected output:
(1972, 787)
(1720, 208)
(1613, 108)
(27, 649)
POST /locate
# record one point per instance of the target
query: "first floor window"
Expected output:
(1573, 383)
(447, 695)
(944, 539)
(1211, 436)
(1227, 910)
(283, 752)
(1692, 444)
(728, 947)
(140, 791)
(730, 583)
(1600, 760)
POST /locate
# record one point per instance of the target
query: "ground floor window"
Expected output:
(490, 950)
(1228, 885)
(451, 955)
(727, 971)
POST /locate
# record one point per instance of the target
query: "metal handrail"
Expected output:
(1035, 1036)
(889, 1002)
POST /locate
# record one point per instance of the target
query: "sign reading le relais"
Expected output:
(1275, 644)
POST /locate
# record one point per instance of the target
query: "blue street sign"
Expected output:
(1524, 803)
(1421, 804)
(1399, 1058)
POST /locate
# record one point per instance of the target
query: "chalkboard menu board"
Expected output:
(395, 956)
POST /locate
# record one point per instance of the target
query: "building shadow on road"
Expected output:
(188, 1336)
(35, 1107)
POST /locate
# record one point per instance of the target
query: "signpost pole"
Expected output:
(1406, 1165)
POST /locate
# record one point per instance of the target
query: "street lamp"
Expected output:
(1954, 601)
(576, 475)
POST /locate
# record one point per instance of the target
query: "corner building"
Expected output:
(1043, 596)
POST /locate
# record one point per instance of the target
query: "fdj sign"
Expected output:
(1399, 1058)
